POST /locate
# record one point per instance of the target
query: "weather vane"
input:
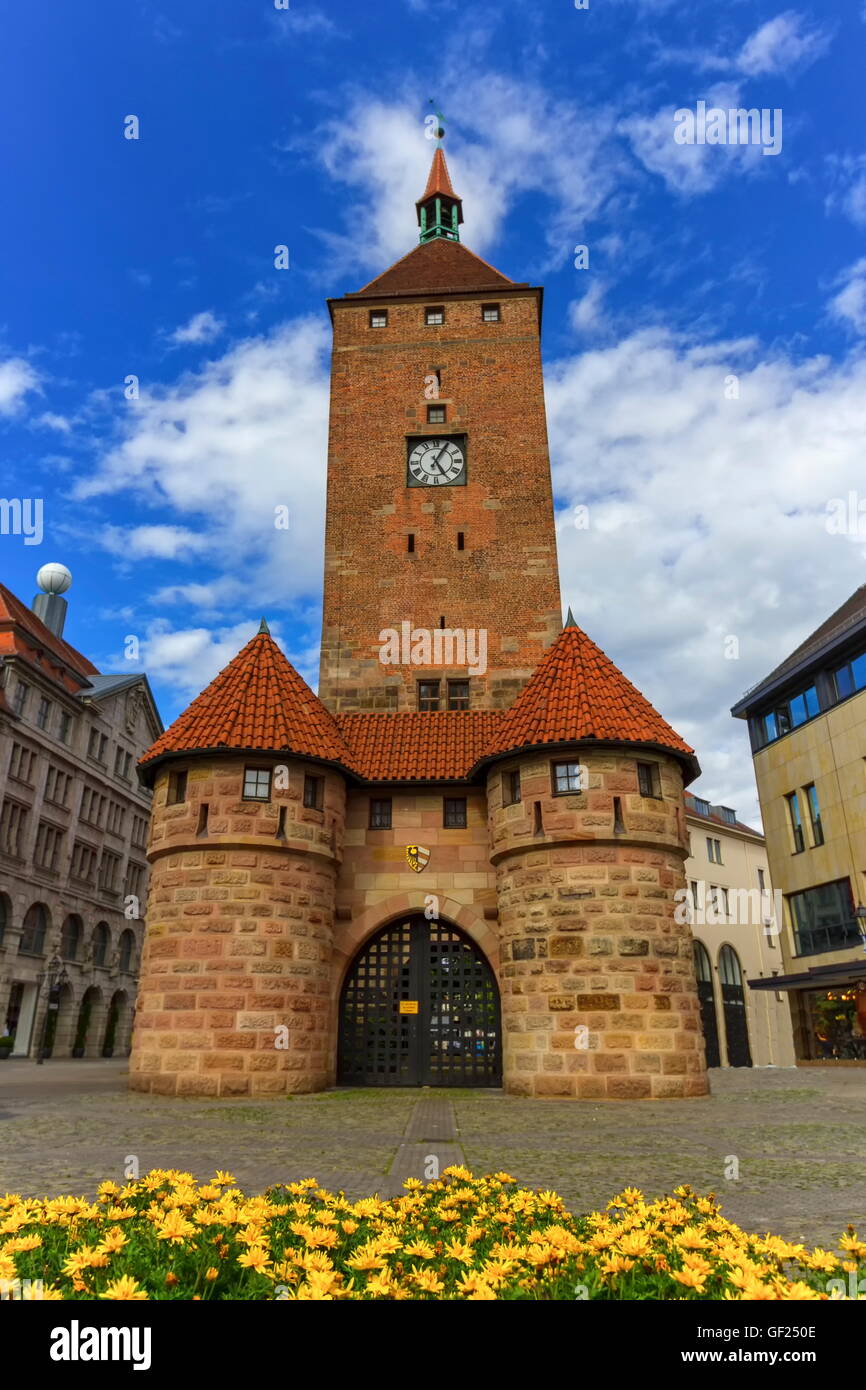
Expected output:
(439, 132)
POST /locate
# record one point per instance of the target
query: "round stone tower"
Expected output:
(246, 838)
(588, 838)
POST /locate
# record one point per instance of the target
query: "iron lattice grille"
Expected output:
(452, 1040)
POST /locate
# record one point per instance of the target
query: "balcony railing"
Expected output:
(837, 936)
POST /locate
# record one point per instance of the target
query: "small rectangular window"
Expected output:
(176, 788)
(454, 813)
(649, 780)
(761, 880)
(567, 778)
(458, 694)
(410, 544)
(511, 788)
(428, 695)
(63, 726)
(436, 415)
(434, 315)
(461, 540)
(314, 790)
(43, 710)
(20, 698)
(380, 813)
(490, 313)
(257, 784)
(378, 318)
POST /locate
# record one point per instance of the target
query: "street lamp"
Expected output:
(55, 976)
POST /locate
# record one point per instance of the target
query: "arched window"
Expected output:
(127, 947)
(703, 969)
(729, 966)
(101, 939)
(35, 928)
(70, 937)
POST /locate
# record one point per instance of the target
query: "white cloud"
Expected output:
(849, 193)
(849, 303)
(516, 141)
(185, 660)
(17, 379)
(216, 453)
(202, 328)
(49, 421)
(152, 542)
(781, 45)
(587, 315)
(701, 511)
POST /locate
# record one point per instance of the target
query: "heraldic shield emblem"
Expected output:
(417, 857)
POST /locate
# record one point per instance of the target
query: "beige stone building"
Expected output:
(731, 903)
(807, 724)
(73, 831)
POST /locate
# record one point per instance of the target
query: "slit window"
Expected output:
(461, 540)
(410, 544)
(203, 813)
(257, 784)
(795, 823)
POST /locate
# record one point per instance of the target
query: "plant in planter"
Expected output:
(6, 1046)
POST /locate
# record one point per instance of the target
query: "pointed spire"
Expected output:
(263, 627)
(569, 622)
(439, 209)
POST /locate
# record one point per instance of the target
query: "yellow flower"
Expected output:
(420, 1248)
(211, 1274)
(21, 1243)
(853, 1246)
(255, 1258)
(636, 1243)
(426, 1280)
(113, 1241)
(690, 1277)
(125, 1288)
(413, 1184)
(175, 1228)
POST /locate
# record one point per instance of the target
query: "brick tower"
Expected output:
(457, 865)
(438, 467)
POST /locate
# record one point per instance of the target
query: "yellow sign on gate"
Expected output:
(408, 1006)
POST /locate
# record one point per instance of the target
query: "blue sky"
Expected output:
(305, 127)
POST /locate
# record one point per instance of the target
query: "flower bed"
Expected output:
(167, 1237)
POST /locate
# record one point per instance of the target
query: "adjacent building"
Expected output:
(807, 725)
(73, 832)
(730, 898)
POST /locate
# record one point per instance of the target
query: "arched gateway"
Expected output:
(420, 1007)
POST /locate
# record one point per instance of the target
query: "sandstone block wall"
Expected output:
(597, 979)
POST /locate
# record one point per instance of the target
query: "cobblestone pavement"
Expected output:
(798, 1136)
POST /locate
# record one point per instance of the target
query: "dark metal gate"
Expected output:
(707, 999)
(734, 1006)
(420, 1007)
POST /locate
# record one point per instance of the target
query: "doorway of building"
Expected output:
(707, 999)
(420, 1007)
(734, 1005)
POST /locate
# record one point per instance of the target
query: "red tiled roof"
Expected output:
(258, 701)
(577, 693)
(436, 267)
(419, 747)
(16, 618)
(439, 179)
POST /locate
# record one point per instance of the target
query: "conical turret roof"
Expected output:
(578, 694)
(258, 702)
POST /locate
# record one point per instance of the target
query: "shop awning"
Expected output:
(846, 972)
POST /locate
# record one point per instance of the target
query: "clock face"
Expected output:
(433, 462)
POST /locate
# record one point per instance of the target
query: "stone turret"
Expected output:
(587, 835)
(246, 840)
